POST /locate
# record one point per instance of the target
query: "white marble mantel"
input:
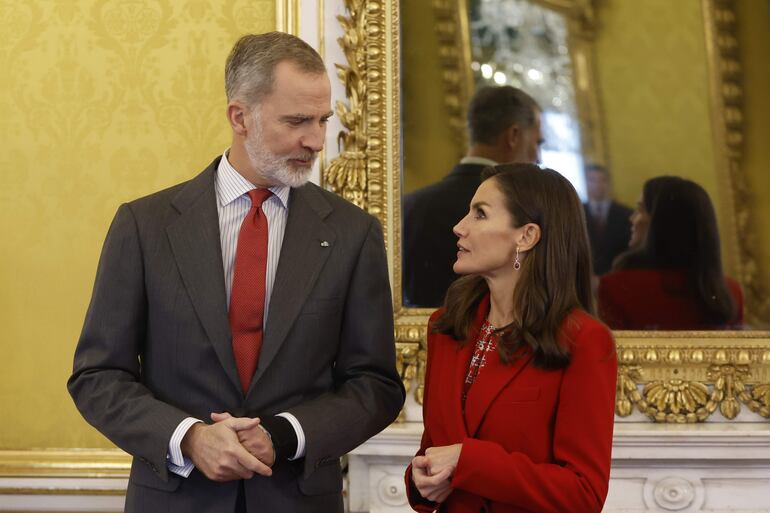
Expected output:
(714, 467)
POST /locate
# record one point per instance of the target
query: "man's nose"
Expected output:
(313, 139)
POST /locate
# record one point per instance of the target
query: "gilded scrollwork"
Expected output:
(346, 175)
(357, 174)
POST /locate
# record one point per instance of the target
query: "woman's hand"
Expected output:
(440, 458)
(434, 487)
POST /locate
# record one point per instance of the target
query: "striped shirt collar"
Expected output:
(231, 185)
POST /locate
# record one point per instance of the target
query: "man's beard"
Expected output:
(275, 168)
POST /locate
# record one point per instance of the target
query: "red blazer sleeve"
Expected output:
(417, 501)
(578, 479)
(609, 311)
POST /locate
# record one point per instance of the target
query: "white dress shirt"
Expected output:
(233, 203)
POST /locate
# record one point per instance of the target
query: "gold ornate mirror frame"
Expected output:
(681, 377)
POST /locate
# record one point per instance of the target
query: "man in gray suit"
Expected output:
(240, 335)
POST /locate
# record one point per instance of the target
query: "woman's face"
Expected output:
(486, 236)
(640, 221)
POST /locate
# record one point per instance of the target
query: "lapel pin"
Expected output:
(324, 244)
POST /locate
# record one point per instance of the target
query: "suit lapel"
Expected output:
(301, 260)
(490, 382)
(195, 243)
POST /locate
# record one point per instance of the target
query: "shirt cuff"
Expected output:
(175, 461)
(299, 432)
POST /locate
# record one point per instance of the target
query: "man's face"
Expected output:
(598, 185)
(288, 126)
(527, 147)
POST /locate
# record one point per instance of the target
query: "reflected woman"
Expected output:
(520, 379)
(671, 278)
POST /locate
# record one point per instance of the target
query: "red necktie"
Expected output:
(247, 297)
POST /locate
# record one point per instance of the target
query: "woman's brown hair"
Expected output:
(555, 275)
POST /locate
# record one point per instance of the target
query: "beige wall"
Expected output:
(654, 82)
(101, 101)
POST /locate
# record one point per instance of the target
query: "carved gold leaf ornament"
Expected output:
(627, 394)
(673, 397)
(346, 174)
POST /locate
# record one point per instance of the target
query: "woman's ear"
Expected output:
(529, 237)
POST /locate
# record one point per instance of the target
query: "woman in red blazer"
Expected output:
(671, 278)
(520, 381)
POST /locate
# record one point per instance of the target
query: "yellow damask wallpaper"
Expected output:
(101, 101)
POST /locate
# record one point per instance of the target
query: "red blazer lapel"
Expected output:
(453, 407)
(492, 379)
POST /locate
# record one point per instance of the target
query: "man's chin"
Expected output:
(295, 176)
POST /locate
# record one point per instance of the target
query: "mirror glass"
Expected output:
(650, 77)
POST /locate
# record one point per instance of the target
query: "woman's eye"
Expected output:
(480, 214)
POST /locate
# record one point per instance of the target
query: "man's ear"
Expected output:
(513, 136)
(530, 236)
(236, 115)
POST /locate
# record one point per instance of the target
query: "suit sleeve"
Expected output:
(577, 480)
(417, 501)
(368, 394)
(106, 380)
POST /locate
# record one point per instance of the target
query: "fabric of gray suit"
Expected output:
(613, 240)
(156, 345)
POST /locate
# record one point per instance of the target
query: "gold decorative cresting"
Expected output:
(727, 102)
(686, 381)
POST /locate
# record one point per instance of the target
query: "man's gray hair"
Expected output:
(493, 109)
(250, 67)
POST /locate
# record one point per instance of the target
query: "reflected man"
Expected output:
(248, 297)
(609, 225)
(503, 127)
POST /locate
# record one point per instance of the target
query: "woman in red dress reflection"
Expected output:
(671, 278)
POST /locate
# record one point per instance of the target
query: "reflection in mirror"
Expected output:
(654, 124)
(525, 45)
(671, 278)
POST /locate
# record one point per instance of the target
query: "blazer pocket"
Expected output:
(325, 480)
(321, 306)
(519, 395)
(143, 475)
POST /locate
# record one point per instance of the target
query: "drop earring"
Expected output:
(517, 262)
